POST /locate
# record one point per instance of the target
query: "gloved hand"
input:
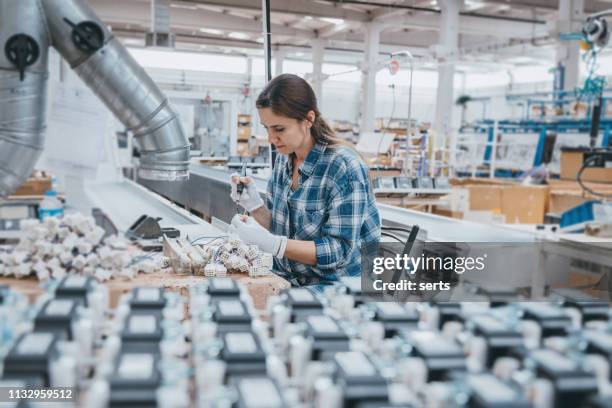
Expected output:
(250, 199)
(251, 232)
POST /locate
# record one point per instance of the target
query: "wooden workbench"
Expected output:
(260, 288)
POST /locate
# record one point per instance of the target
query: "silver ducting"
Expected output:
(22, 102)
(124, 87)
(27, 28)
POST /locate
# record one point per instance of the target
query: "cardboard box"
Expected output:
(524, 204)
(571, 162)
(485, 197)
(518, 203)
(34, 187)
(244, 132)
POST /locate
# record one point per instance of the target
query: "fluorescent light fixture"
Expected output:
(336, 21)
(238, 36)
(212, 31)
(299, 54)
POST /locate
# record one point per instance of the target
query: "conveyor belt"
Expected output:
(207, 191)
(125, 201)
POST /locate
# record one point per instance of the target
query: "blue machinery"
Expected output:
(539, 128)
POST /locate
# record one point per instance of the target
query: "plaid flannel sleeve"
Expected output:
(269, 193)
(340, 233)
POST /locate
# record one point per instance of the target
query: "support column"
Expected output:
(368, 81)
(568, 52)
(318, 49)
(279, 59)
(446, 53)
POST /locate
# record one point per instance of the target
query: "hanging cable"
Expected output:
(384, 130)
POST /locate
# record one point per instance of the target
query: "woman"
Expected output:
(319, 210)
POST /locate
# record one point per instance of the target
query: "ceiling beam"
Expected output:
(472, 25)
(312, 8)
(138, 13)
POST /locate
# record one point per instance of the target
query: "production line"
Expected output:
(333, 350)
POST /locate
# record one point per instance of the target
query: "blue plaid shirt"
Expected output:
(333, 206)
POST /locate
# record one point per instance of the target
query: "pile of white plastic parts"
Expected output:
(236, 256)
(74, 244)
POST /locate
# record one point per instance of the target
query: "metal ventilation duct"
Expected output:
(28, 28)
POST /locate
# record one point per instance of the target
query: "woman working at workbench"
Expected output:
(319, 210)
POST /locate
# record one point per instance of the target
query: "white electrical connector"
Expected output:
(47, 249)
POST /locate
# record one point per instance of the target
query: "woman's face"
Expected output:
(287, 134)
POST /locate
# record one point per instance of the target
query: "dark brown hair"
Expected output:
(291, 96)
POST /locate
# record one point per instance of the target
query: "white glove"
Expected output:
(250, 199)
(251, 232)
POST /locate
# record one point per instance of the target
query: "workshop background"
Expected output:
(482, 122)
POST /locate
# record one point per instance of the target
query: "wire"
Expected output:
(208, 242)
(584, 187)
(388, 122)
(141, 258)
(395, 237)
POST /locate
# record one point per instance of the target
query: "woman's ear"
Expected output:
(310, 118)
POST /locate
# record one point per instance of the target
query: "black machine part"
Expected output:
(30, 356)
(57, 316)
(22, 51)
(147, 227)
(87, 36)
(595, 158)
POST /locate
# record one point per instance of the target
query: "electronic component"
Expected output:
(327, 336)
(395, 317)
(353, 287)
(222, 287)
(572, 384)
(440, 355)
(302, 303)
(599, 343)
(487, 391)
(141, 332)
(449, 312)
(57, 316)
(498, 296)
(359, 379)
(243, 355)
(259, 392)
(31, 357)
(135, 380)
(231, 315)
(552, 320)
(75, 287)
(590, 308)
(146, 227)
(498, 336)
(147, 300)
